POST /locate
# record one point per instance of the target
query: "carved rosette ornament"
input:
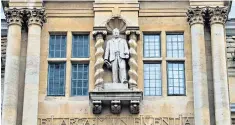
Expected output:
(218, 15)
(99, 61)
(196, 15)
(133, 37)
(14, 16)
(36, 16)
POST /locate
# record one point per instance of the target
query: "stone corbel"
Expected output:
(196, 15)
(133, 37)
(134, 106)
(218, 15)
(99, 61)
(97, 106)
(116, 107)
(14, 16)
(36, 16)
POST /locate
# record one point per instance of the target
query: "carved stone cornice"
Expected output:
(218, 15)
(14, 16)
(36, 16)
(196, 15)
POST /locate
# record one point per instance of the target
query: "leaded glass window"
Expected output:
(152, 47)
(56, 79)
(79, 79)
(175, 45)
(152, 80)
(80, 46)
(176, 78)
(57, 46)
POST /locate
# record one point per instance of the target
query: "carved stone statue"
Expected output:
(116, 53)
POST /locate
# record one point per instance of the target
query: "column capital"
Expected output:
(36, 16)
(133, 33)
(196, 15)
(14, 16)
(99, 33)
(218, 14)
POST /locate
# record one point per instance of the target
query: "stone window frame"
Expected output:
(69, 60)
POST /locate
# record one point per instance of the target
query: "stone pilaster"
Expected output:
(99, 61)
(36, 18)
(200, 85)
(133, 37)
(218, 17)
(9, 110)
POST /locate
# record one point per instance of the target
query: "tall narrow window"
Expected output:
(56, 79)
(175, 45)
(176, 78)
(80, 46)
(152, 46)
(57, 46)
(152, 80)
(79, 79)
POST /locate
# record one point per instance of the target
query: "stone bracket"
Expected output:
(116, 99)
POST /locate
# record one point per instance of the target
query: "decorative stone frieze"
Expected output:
(218, 15)
(196, 15)
(133, 37)
(99, 71)
(14, 16)
(36, 16)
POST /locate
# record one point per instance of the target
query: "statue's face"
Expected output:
(115, 33)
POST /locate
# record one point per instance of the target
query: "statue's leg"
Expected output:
(122, 70)
(115, 71)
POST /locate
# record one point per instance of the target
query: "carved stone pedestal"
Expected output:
(116, 97)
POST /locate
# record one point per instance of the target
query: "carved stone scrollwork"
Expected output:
(218, 15)
(134, 107)
(14, 16)
(99, 71)
(116, 107)
(196, 15)
(36, 16)
(133, 37)
(97, 107)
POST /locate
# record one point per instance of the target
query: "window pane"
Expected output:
(80, 46)
(152, 79)
(56, 79)
(57, 46)
(176, 82)
(80, 79)
(175, 45)
(152, 46)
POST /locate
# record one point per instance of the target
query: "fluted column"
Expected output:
(99, 61)
(133, 35)
(36, 18)
(218, 17)
(9, 110)
(200, 85)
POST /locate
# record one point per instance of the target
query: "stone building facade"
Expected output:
(177, 69)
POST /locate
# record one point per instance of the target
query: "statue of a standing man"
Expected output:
(116, 53)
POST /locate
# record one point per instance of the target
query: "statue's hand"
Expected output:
(107, 63)
(126, 55)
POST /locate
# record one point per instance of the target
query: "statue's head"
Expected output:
(116, 32)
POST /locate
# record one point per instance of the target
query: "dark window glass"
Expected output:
(175, 45)
(57, 46)
(80, 46)
(79, 79)
(152, 46)
(176, 80)
(56, 79)
(152, 79)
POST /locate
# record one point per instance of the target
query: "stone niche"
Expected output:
(108, 90)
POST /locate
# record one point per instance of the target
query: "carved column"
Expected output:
(218, 17)
(99, 61)
(200, 85)
(36, 18)
(9, 110)
(133, 35)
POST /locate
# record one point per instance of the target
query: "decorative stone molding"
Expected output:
(99, 71)
(14, 16)
(218, 15)
(36, 16)
(133, 37)
(196, 15)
